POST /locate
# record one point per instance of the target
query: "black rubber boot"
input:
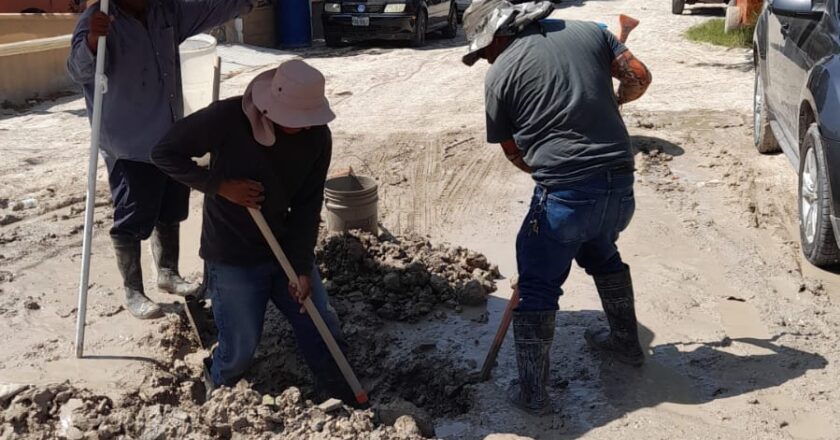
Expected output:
(621, 340)
(165, 246)
(128, 261)
(533, 333)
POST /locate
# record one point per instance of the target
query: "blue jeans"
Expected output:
(240, 295)
(579, 221)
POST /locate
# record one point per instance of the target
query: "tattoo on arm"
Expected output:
(633, 75)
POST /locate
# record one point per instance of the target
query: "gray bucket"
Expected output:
(351, 203)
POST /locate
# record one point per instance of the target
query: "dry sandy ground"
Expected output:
(741, 333)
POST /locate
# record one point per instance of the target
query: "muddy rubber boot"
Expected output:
(621, 340)
(128, 261)
(533, 333)
(165, 246)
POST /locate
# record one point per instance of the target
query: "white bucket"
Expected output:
(198, 64)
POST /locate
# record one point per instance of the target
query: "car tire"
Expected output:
(763, 138)
(332, 39)
(451, 30)
(677, 7)
(419, 37)
(817, 235)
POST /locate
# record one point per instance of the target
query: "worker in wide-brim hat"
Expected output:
(270, 150)
(550, 103)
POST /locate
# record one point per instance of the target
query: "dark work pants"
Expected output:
(579, 221)
(143, 196)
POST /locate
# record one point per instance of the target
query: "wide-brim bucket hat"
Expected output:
(292, 96)
(486, 19)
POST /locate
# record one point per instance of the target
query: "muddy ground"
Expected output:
(740, 332)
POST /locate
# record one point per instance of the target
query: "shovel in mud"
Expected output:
(329, 340)
(490, 360)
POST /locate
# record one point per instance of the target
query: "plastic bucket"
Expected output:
(293, 23)
(352, 203)
(198, 72)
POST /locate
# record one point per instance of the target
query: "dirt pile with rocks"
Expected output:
(372, 281)
(62, 411)
(405, 278)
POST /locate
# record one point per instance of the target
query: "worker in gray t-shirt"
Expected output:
(550, 103)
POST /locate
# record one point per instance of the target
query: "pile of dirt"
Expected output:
(405, 278)
(62, 411)
(371, 280)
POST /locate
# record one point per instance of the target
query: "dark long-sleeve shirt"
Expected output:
(144, 70)
(292, 172)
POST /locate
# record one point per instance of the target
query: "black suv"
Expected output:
(797, 110)
(388, 20)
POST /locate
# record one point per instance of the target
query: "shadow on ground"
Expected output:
(648, 144)
(590, 391)
(709, 11)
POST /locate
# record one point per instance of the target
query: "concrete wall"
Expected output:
(33, 51)
(21, 27)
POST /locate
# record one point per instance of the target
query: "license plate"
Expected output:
(361, 21)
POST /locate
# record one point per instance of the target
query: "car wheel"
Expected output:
(677, 6)
(763, 138)
(419, 37)
(817, 235)
(451, 30)
(332, 39)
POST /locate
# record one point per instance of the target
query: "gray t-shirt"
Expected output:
(552, 92)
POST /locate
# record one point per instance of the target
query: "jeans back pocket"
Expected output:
(570, 216)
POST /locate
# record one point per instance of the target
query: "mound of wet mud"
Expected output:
(372, 281)
(405, 278)
(62, 411)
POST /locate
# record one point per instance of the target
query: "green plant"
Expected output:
(712, 32)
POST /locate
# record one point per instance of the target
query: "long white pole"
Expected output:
(100, 87)
(332, 345)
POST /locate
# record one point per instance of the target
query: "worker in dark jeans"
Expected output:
(142, 102)
(270, 150)
(550, 103)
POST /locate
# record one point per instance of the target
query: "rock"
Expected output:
(9, 219)
(268, 400)
(74, 433)
(43, 398)
(392, 281)
(439, 284)
(10, 390)
(406, 427)
(239, 424)
(389, 413)
(478, 261)
(472, 294)
(107, 431)
(330, 405)
(66, 413)
(31, 304)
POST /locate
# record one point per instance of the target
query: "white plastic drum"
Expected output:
(198, 62)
